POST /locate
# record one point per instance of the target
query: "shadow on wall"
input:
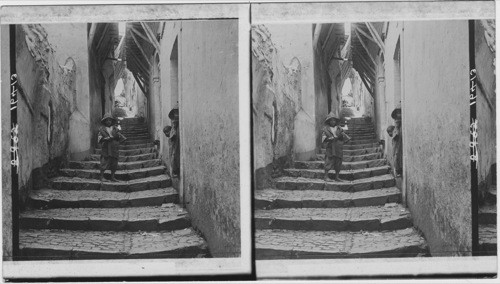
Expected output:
(47, 99)
(276, 102)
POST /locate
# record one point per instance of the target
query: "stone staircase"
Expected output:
(78, 217)
(305, 217)
(488, 223)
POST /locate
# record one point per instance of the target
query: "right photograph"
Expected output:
(374, 139)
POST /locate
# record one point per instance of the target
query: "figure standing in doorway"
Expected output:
(173, 135)
(333, 139)
(397, 142)
(110, 138)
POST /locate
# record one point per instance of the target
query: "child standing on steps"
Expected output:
(333, 139)
(109, 137)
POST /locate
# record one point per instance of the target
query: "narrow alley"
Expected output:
(308, 218)
(413, 158)
(108, 119)
(79, 217)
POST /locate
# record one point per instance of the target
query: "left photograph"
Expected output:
(124, 140)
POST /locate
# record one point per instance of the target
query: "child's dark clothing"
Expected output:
(334, 147)
(110, 148)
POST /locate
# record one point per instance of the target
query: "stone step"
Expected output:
(490, 195)
(357, 120)
(154, 182)
(127, 159)
(360, 146)
(488, 215)
(314, 165)
(360, 124)
(360, 128)
(284, 244)
(134, 127)
(361, 142)
(392, 216)
(131, 147)
(488, 239)
(67, 245)
(94, 165)
(275, 198)
(291, 183)
(356, 137)
(133, 120)
(133, 152)
(134, 141)
(137, 136)
(120, 174)
(135, 132)
(359, 131)
(151, 218)
(355, 158)
(53, 198)
(346, 174)
(357, 151)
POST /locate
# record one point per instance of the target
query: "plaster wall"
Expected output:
(486, 100)
(283, 98)
(96, 92)
(209, 131)
(7, 236)
(171, 32)
(388, 101)
(70, 46)
(49, 91)
(294, 45)
(436, 133)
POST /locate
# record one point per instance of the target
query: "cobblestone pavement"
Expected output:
(358, 151)
(96, 198)
(355, 158)
(345, 165)
(488, 229)
(130, 158)
(121, 165)
(488, 235)
(76, 183)
(275, 198)
(179, 243)
(171, 211)
(306, 217)
(80, 217)
(334, 219)
(344, 174)
(321, 244)
(299, 183)
(120, 174)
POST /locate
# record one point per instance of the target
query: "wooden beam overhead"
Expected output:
(140, 84)
(359, 29)
(317, 31)
(139, 66)
(374, 33)
(138, 33)
(328, 37)
(151, 36)
(332, 54)
(106, 27)
(140, 48)
(366, 85)
(90, 38)
(101, 55)
(364, 46)
(367, 66)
